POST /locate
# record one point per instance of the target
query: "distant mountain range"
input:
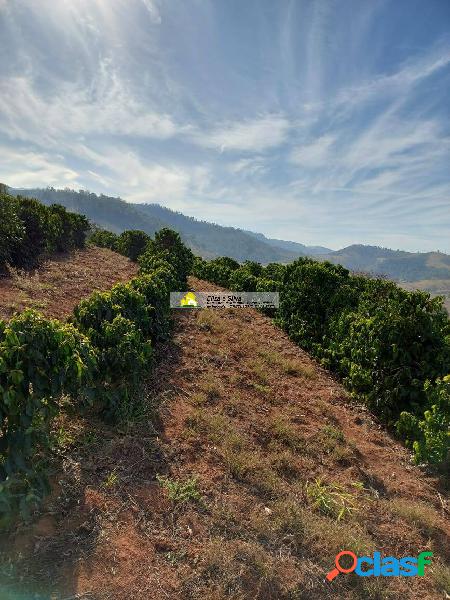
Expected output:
(210, 240)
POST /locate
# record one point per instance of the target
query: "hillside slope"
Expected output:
(61, 282)
(228, 484)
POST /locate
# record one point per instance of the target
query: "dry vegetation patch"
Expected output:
(61, 282)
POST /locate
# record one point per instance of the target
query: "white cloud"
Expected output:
(153, 11)
(247, 167)
(31, 169)
(398, 83)
(75, 110)
(138, 179)
(314, 154)
(255, 135)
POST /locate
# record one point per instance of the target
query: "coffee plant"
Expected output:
(39, 360)
(29, 231)
(132, 243)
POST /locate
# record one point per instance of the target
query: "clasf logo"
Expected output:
(389, 566)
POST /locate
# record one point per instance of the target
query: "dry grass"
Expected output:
(208, 320)
(238, 570)
(282, 430)
(211, 387)
(289, 366)
(441, 576)
(417, 514)
(60, 283)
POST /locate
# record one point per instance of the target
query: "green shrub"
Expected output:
(267, 285)
(104, 239)
(273, 271)
(155, 287)
(39, 360)
(106, 316)
(390, 346)
(121, 300)
(429, 435)
(123, 356)
(253, 267)
(243, 280)
(312, 292)
(69, 229)
(29, 230)
(149, 263)
(12, 230)
(168, 245)
(132, 243)
(38, 237)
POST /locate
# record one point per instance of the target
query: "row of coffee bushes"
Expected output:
(130, 243)
(391, 347)
(29, 230)
(98, 359)
(124, 324)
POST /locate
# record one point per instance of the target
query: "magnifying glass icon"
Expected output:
(339, 568)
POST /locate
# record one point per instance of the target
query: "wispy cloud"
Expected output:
(109, 108)
(36, 168)
(314, 154)
(321, 122)
(253, 135)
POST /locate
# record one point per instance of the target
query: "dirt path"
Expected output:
(258, 452)
(60, 283)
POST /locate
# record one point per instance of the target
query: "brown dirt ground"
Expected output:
(59, 284)
(246, 419)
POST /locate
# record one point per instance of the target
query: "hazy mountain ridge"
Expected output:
(296, 247)
(210, 240)
(106, 211)
(206, 239)
(397, 264)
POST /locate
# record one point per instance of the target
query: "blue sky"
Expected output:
(325, 122)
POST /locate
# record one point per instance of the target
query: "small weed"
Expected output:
(89, 438)
(199, 399)
(175, 557)
(333, 433)
(285, 464)
(282, 430)
(181, 492)
(332, 500)
(215, 426)
(62, 438)
(262, 389)
(111, 480)
(259, 371)
(211, 387)
(249, 467)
